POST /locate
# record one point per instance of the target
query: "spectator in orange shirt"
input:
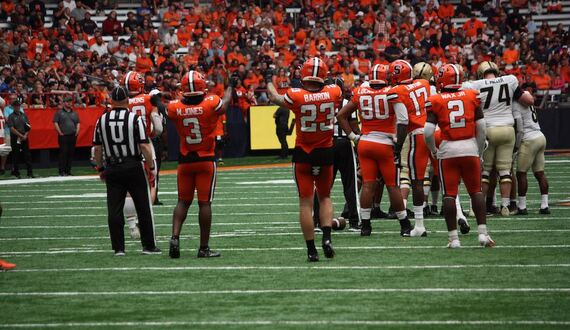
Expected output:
(472, 25)
(542, 80)
(347, 76)
(171, 17)
(281, 81)
(237, 55)
(511, 54)
(436, 50)
(362, 64)
(184, 36)
(380, 43)
(446, 9)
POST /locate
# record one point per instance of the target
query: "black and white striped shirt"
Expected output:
(337, 130)
(119, 132)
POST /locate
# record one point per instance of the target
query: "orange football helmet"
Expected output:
(314, 69)
(133, 82)
(193, 83)
(449, 76)
(400, 72)
(379, 75)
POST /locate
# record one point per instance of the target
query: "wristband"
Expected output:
(353, 137)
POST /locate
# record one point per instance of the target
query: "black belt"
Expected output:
(341, 137)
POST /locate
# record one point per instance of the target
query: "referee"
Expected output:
(120, 139)
(345, 163)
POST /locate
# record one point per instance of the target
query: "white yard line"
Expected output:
(279, 268)
(406, 247)
(251, 232)
(280, 291)
(297, 323)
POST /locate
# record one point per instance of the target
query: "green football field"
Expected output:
(67, 275)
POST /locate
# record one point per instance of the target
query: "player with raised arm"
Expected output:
(460, 118)
(376, 147)
(411, 95)
(497, 94)
(146, 106)
(313, 106)
(531, 155)
(195, 117)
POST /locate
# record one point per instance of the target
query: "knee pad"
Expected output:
(485, 177)
(504, 173)
(405, 183)
(505, 178)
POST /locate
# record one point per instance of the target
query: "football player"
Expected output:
(195, 117)
(146, 106)
(412, 94)
(376, 150)
(424, 71)
(313, 156)
(460, 118)
(497, 93)
(531, 155)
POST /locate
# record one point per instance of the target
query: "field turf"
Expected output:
(67, 276)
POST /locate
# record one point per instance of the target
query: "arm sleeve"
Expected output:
(139, 130)
(97, 140)
(429, 130)
(288, 97)
(481, 134)
(156, 119)
(401, 113)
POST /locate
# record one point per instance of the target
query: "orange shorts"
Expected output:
(200, 176)
(309, 177)
(377, 157)
(453, 170)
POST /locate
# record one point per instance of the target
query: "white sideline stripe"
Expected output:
(279, 291)
(193, 213)
(413, 247)
(281, 323)
(293, 224)
(553, 161)
(252, 232)
(47, 180)
(239, 268)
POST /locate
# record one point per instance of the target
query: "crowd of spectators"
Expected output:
(253, 40)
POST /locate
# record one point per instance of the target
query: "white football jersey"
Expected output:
(497, 96)
(531, 128)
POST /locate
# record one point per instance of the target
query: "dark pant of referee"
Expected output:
(344, 163)
(131, 178)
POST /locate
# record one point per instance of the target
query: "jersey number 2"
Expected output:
(456, 116)
(309, 115)
(195, 135)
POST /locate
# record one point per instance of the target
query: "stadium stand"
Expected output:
(53, 52)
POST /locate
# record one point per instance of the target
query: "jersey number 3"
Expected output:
(309, 115)
(195, 135)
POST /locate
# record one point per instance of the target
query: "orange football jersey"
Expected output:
(373, 109)
(455, 113)
(196, 125)
(142, 106)
(414, 97)
(314, 115)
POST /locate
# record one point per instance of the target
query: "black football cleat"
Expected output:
(365, 228)
(433, 210)
(410, 213)
(328, 249)
(312, 257)
(405, 227)
(493, 210)
(174, 251)
(152, 251)
(207, 253)
(377, 213)
(427, 211)
(463, 226)
(353, 226)
(544, 211)
(522, 212)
